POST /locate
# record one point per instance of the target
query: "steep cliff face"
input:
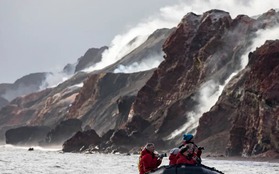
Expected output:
(258, 110)
(102, 100)
(200, 55)
(47, 107)
(105, 99)
(199, 50)
(19, 112)
(247, 110)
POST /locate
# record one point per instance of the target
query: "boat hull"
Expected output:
(187, 169)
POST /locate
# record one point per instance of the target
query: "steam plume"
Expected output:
(146, 64)
(211, 91)
(259, 40)
(169, 17)
(54, 79)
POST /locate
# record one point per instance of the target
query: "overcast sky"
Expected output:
(45, 35)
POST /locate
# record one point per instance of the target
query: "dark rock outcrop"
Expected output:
(25, 85)
(69, 69)
(63, 131)
(27, 135)
(91, 57)
(81, 141)
(97, 104)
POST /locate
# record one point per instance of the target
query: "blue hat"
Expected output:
(187, 137)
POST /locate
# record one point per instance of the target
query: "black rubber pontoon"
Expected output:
(187, 169)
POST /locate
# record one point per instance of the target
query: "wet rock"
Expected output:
(81, 141)
(26, 135)
(63, 131)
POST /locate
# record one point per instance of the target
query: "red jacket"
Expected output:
(198, 152)
(181, 159)
(148, 161)
(173, 159)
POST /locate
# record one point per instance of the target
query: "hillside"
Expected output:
(211, 82)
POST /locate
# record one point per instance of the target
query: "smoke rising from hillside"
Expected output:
(146, 64)
(22, 89)
(54, 79)
(123, 44)
(169, 17)
(259, 40)
(206, 98)
(210, 92)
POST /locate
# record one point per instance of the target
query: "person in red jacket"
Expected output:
(188, 139)
(185, 156)
(173, 156)
(148, 161)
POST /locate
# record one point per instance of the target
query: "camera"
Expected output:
(162, 155)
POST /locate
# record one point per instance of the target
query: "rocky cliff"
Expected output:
(246, 114)
(200, 55)
(202, 86)
(101, 100)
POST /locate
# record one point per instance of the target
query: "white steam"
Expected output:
(211, 91)
(259, 40)
(125, 43)
(169, 17)
(54, 79)
(76, 86)
(206, 97)
(21, 90)
(146, 64)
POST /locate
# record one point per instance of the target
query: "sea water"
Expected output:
(18, 160)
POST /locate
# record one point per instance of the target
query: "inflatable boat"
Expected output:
(186, 169)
